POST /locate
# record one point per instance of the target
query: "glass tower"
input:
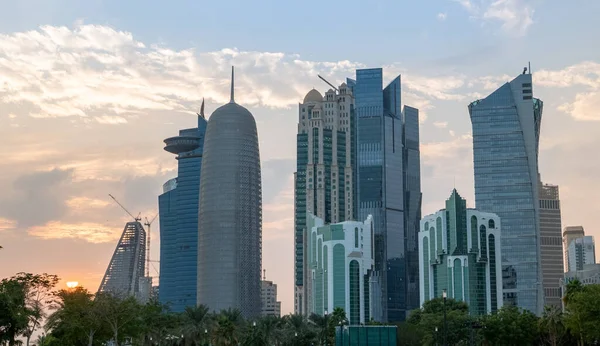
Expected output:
(506, 130)
(388, 188)
(460, 253)
(178, 210)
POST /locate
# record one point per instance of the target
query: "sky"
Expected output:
(89, 90)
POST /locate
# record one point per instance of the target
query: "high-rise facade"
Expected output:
(178, 210)
(506, 131)
(340, 259)
(570, 233)
(581, 252)
(460, 252)
(551, 243)
(358, 155)
(270, 305)
(124, 275)
(388, 188)
(325, 176)
(230, 213)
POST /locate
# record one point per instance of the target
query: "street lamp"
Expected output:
(436, 336)
(326, 327)
(444, 296)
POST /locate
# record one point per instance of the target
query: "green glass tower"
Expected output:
(459, 251)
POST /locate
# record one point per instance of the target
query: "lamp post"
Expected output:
(206, 337)
(444, 295)
(436, 336)
(326, 327)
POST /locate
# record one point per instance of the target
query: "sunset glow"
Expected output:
(72, 284)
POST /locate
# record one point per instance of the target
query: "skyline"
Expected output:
(67, 147)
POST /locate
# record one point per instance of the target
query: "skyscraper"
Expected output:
(581, 251)
(124, 275)
(388, 188)
(270, 305)
(460, 252)
(324, 178)
(230, 213)
(341, 259)
(551, 243)
(506, 132)
(570, 233)
(178, 210)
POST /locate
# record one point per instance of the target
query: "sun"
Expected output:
(72, 284)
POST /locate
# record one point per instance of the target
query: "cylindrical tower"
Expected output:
(230, 213)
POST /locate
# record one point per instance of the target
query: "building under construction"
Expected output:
(127, 272)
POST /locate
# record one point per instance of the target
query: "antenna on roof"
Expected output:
(524, 70)
(232, 99)
(529, 63)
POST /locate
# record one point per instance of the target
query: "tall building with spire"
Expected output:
(506, 133)
(230, 213)
(178, 210)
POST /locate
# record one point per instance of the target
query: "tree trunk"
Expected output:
(28, 337)
(90, 338)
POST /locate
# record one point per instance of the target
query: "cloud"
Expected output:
(90, 232)
(36, 197)
(86, 203)
(440, 124)
(515, 16)
(442, 16)
(6, 224)
(585, 74)
(586, 107)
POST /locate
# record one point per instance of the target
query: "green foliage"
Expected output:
(510, 326)
(13, 310)
(582, 316)
(431, 317)
(80, 318)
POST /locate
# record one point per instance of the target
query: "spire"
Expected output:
(201, 114)
(232, 99)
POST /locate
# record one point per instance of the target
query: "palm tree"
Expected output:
(225, 333)
(195, 324)
(322, 325)
(552, 323)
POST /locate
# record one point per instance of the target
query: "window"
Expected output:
(526, 85)
(491, 224)
(527, 97)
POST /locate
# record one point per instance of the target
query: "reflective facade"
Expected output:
(325, 175)
(460, 253)
(178, 210)
(230, 220)
(506, 130)
(551, 244)
(388, 188)
(340, 259)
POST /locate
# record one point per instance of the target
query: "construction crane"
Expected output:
(148, 233)
(136, 218)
